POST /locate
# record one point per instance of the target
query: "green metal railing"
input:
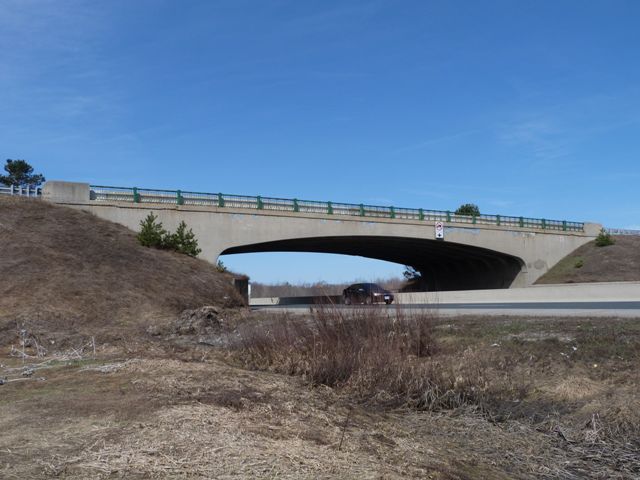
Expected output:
(221, 200)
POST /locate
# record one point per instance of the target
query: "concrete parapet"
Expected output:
(566, 292)
(65, 192)
(592, 229)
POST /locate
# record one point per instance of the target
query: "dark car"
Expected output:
(366, 293)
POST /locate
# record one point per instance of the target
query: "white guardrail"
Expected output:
(622, 231)
(21, 191)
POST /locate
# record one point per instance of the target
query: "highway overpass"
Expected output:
(483, 252)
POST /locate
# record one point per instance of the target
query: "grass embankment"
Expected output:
(619, 262)
(66, 272)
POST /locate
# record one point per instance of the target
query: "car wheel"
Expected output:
(368, 301)
(347, 301)
(388, 302)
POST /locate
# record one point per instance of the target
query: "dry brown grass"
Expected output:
(199, 417)
(573, 378)
(379, 359)
(65, 272)
(615, 263)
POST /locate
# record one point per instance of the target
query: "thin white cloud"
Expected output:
(556, 131)
(436, 140)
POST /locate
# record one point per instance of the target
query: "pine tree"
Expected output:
(20, 174)
(604, 239)
(151, 233)
(469, 209)
(183, 241)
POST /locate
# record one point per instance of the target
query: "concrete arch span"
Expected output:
(443, 265)
(470, 256)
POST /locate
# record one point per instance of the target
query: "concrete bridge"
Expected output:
(487, 251)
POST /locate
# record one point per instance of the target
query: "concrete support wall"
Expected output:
(219, 229)
(65, 192)
(570, 292)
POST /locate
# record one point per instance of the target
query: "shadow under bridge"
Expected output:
(443, 265)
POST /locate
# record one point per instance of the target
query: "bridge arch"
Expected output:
(443, 265)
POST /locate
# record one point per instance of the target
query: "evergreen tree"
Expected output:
(20, 174)
(183, 241)
(604, 239)
(469, 209)
(151, 233)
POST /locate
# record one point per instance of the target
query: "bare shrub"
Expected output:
(381, 358)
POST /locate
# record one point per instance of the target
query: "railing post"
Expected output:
(544, 224)
(12, 190)
(497, 219)
(521, 222)
(473, 217)
(421, 214)
(136, 195)
(179, 198)
(361, 210)
(260, 204)
(20, 190)
(564, 225)
(296, 207)
(28, 190)
(220, 200)
(448, 216)
(329, 208)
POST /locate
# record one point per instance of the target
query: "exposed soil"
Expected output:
(619, 262)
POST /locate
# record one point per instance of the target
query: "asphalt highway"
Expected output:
(597, 309)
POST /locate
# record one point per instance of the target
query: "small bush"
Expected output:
(604, 239)
(376, 358)
(221, 267)
(151, 233)
(579, 263)
(183, 241)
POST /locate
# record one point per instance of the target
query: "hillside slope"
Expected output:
(616, 263)
(63, 270)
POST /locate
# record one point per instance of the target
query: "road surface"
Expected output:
(590, 309)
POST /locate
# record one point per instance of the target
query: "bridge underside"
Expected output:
(443, 265)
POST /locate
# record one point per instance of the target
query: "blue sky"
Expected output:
(524, 108)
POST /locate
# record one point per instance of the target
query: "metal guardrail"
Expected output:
(621, 231)
(21, 191)
(179, 197)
